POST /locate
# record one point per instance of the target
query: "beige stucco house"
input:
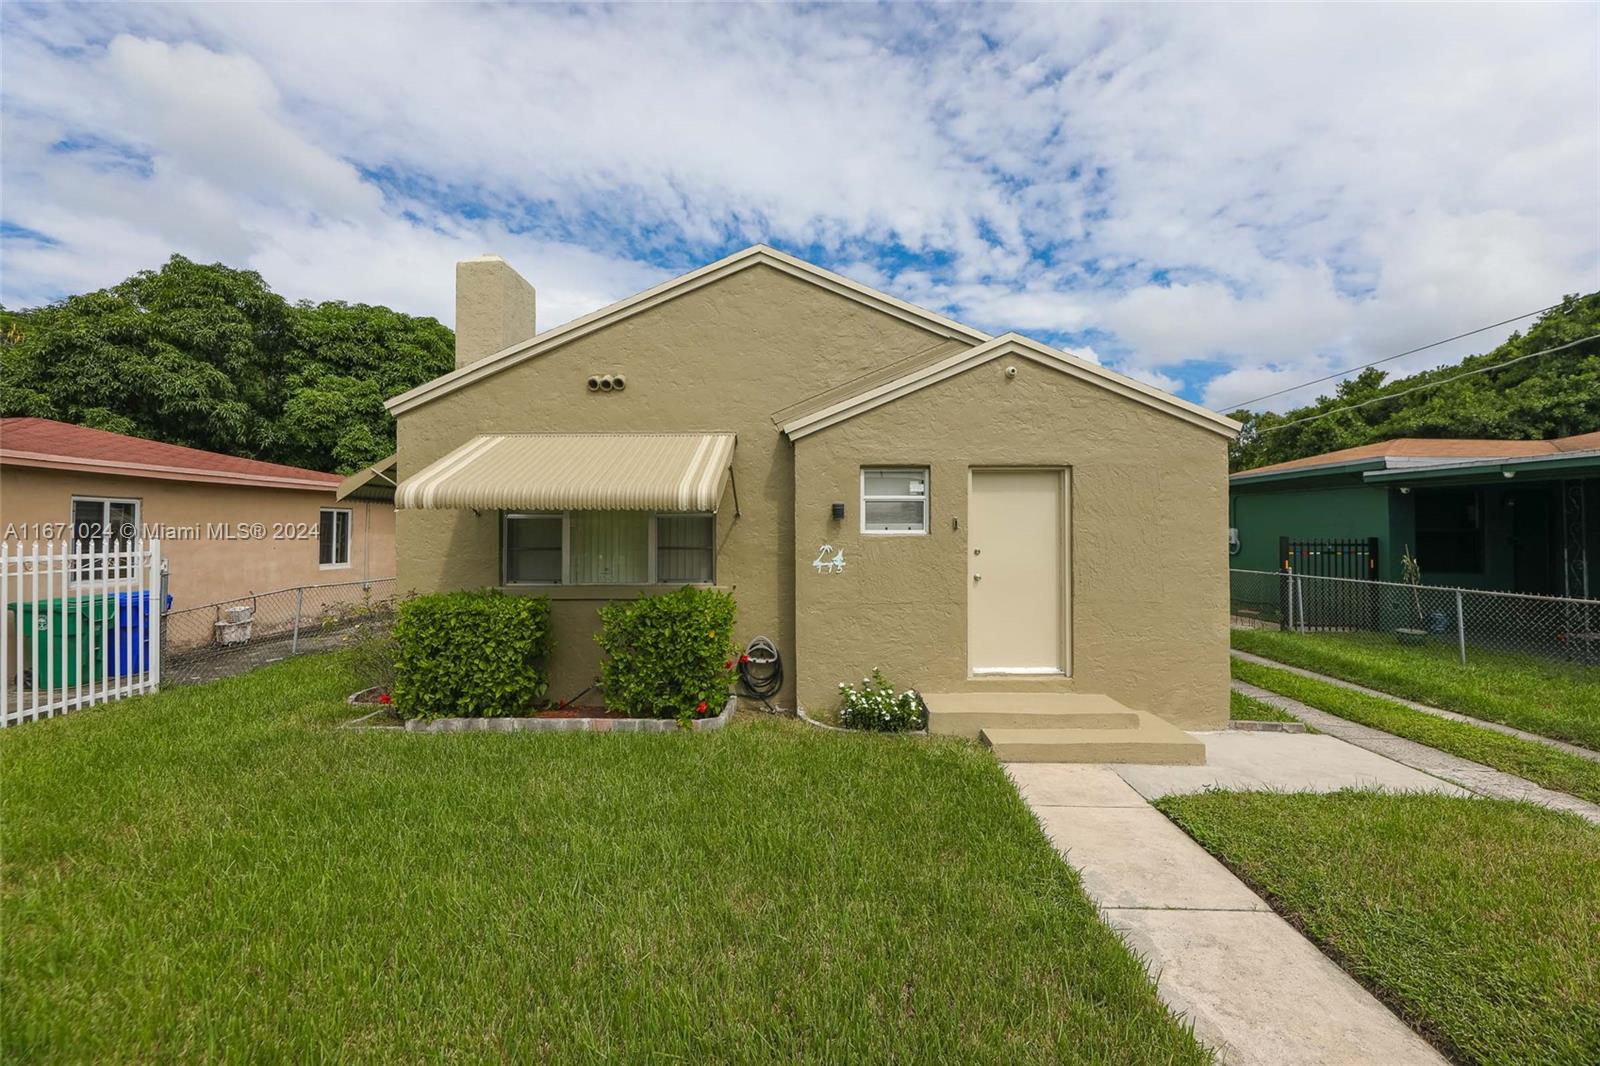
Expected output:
(229, 526)
(878, 485)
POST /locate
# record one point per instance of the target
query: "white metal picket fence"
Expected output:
(82, 625)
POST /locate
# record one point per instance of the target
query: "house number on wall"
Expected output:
(822, 564)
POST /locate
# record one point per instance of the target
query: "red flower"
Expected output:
(728, 665)
(383, 697)
(701, 709)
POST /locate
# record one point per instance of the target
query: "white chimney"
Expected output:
(494, 308)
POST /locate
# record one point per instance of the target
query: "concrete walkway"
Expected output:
(1437, 712)
(1254, 988)
(1475, 777)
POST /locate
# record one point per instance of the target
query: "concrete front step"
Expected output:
(966, 714)
(1061, 727)
(1152, 743)
(971, 723)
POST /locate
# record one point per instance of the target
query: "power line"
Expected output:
(1402, 355)
(1431, 384)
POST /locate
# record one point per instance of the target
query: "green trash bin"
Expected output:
(65, 637)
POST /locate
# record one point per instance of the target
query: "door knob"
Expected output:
(977, 577)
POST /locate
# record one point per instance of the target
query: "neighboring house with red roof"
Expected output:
(229, 526)
(1510, 515)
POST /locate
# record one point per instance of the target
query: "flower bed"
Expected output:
(877, 707)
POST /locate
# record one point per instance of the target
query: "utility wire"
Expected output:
(1391, 358)
(1432, 384)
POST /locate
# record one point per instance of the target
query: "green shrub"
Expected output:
(476, 654)
(877, 706)
(668, 656)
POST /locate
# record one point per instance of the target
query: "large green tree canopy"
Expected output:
(1553, 395)
(210, 357)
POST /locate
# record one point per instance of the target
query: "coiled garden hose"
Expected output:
(761, 670)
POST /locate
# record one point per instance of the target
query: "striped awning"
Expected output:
(576, 472)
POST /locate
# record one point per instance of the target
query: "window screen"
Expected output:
(333, 540)
(533, 549)
(894, 500)
(685, 548)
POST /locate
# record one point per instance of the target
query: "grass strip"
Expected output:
(1525, 758)
(217, 870)
(1478, 921)
(1242, 708)
(1544, 696)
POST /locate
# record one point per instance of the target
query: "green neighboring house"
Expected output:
(1509, 515)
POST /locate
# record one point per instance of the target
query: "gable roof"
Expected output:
(1010, 344)
(755, 255)
(51, 445)
(1420, 451)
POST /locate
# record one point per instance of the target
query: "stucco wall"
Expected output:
(205, 569)
(1148, 513)
(1329, 509)
(722, 358)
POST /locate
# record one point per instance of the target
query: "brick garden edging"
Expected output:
(570, 725)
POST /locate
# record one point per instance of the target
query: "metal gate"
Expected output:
(1351, 605)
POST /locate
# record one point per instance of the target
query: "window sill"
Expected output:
(333, 566)
(598, 592)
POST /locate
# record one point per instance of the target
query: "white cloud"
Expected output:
(1282, 194)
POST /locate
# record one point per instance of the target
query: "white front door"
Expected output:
(1017, 568)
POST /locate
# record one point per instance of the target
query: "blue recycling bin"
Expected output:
(130, 641)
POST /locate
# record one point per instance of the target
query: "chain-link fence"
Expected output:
(1419, 615)
(232, 636)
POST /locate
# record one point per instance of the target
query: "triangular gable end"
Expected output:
(1012, 344)
(755, 255)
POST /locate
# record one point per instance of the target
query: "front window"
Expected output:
(533, 548)
(894, 500)
(608, 548)
(104, 525)
(1449, 531)
(685, 548)
(333, 541)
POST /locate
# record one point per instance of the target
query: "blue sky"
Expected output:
(1219, 200)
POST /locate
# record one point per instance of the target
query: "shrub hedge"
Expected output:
(668, 656)
(475, 654)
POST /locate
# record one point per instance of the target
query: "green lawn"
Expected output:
(1242, 708)
(1553, 699)
(1477, 920)
(1526, 758)
(217, 873)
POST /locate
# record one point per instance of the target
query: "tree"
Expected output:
(210, 357)
(1554, 395)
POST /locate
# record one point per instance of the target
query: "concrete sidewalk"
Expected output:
(1475, 777)
(1437, 712)
(1254, 988)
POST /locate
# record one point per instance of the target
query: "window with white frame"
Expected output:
(333, 539)
(607, 548)
(894, 499)
(103, 525)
